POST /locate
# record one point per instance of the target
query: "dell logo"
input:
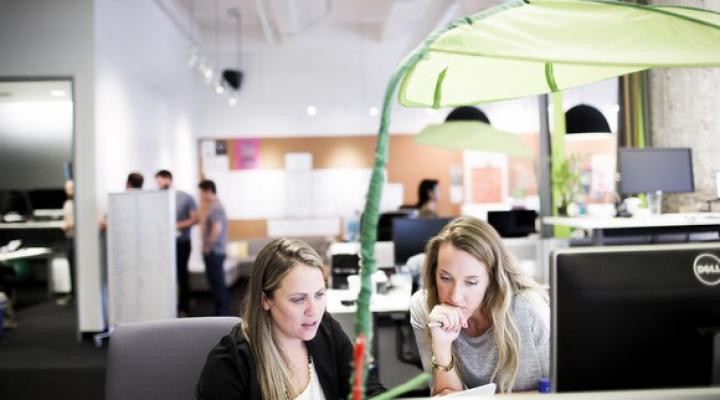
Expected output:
(707, 269)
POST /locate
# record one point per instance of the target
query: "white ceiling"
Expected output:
(277, 22)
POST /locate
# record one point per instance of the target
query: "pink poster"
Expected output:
(247, 153)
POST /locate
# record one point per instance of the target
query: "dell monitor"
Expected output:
(410, 235)
(635, 317)
(654, 169)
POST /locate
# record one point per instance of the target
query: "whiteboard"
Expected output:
(280, 194)
(141, 256)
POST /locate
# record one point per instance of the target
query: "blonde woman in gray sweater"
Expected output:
(479, 319)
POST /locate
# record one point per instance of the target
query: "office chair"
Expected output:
(161, 360)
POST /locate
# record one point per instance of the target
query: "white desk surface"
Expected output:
(710, 393)
(26, 252)
(32, 225)
(396, 299)
(694, 219)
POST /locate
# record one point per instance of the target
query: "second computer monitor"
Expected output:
(410, 235)
(635, 317)
(653, 169)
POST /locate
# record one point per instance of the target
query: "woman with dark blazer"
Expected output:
(287, 346)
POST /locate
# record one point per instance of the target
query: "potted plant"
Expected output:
(566, 183)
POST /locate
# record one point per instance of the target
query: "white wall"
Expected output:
(54, 38)
(133, 99)
(145, 97)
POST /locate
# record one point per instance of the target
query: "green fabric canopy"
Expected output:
(523, 48)
(472, 135)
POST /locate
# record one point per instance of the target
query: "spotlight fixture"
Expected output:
(233, 78)
(311, 111)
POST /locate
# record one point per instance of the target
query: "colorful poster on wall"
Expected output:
(247, 153)
(487, 185)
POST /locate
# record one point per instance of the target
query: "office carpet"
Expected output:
(41, 358)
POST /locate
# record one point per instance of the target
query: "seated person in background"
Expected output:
(479, 319)
(286, 347)
(428, 196)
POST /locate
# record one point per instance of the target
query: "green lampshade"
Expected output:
(528, 47)
(473, 135)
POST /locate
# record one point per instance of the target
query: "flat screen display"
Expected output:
(650, 170)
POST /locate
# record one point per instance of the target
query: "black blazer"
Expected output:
(230, 371)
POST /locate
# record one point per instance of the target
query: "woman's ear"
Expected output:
(265, 302)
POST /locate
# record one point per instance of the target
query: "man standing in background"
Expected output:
(186, 216)
(214, 234)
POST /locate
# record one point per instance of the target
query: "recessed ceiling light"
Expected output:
(57, 93)
(219, 89)
(232, 101)
(311, 111)
(373, 111)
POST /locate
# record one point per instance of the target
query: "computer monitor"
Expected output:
(513, 223)
(635, 317)
(385, 224)
(47, 199)
(15, 202)
(653, 169)
(410, 235)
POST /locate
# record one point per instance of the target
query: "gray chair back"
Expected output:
(161, 360)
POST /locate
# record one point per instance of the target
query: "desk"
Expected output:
(34, 233)
(397, 299)
(31, 252)
(604, 228)
(28, 252)
(710, 393)
(31, 225)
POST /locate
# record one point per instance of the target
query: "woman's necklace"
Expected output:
(309, 380)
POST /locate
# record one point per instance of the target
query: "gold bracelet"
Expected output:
(444, 368)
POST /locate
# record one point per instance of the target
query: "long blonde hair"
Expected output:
(480, 240)
(273, 262)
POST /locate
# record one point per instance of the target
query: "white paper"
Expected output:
(298, 161)
(213, 166)
(207, 149)
(456, 194)
(392, 197)
(603, 176)
(484, 390)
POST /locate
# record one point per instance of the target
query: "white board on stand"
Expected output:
(141, 256)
